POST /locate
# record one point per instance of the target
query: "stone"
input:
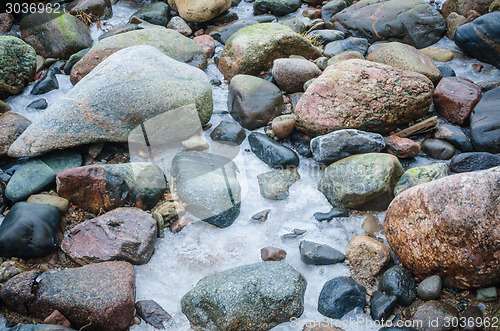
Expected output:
(339, 296)
(11, 268)
(438, 54)
(362, 95)
(147, 102)
(446, 70)
(110, 186)
(228, 132)
(253, 49)
(45, 84)
(209, 185)
(371, 226)
(253, 101)
(275, 7)
(152, 313)
(488, 294)
(425, 217)
(319, 254)
(39, 173)
(95, 9)
(455, 97)
(270, 253)
(38, 104)
(481, 45)
(18, 60)
(271, 152)
(274, 185)
(291, 74)
(495, 6)
(402, 148)
(73, 59)
(364, 181)
(170, 210)
(340, 144)
(283, 125)
(179, 25)
(331, 8)
(56, 318)
(29, 230)
(475, 316)
(418, 175)
(367, 256)
(207, 43)
(463, 7)
(333, 213)
(435, 315)
(195, 143)
(6, 22)
(17, 291)
(347, 55)
(4, 107)
(406, 57)
(261, 215)
(474, 161)
(221, 33)
(430, 288)
(326, 36)
(292, 21)
(455, 136)
(382, 306)
(453, 22)
(415, 22)
(156, 13)
(257, 296)
(12, 125)
(438, 149)
(46, 199)
(123, 234)
(167, 41)
(320, 326)
(199, 10)
(485, 123)
(337, 47)
(399, 282)
(40, 29)
(485, 86)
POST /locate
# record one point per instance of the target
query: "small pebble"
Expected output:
(271, 253)
(334, 212)
(294, 234)
(430, 288)
(488, 294)
(261, 216)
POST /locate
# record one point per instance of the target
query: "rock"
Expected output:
(283, 125)
(337, 47)
(6, 22)
(481, 45)
(347, 55)
(275, 7)
(274, 185)
(382, 306)
(485, 86)
(251, 297)
(419, 175)
(261, 215)
(293, 22)
(199, 10)
(179, 25)
(475, 316)
(56, 318)
(319, 254)
(123, 234)
(399, 282)
(340, 144)
(38, 104)
(18, 60)
(38, 173)
(438, 149)
(253, 49)
(270, 253)
(455, 97)
(291, 74)
(361, 96)
(4, 107)
(228, 132)
(453, 22)
(487, 294)
(458, 206)
(463, 7)
(339, 296)
(367, 256)
(495, 6)
(95, 9)
(401, 147)
(475, 161)
(455, 136)
(195, 143)
(272, 152)
(371, 226)
(74, 59)
(109, 85)
(29, 230)
(253, 101)
(110, 186)
(446, 70)
(168, 41)
(430, 288)
(40, 29)
(485, 119)
(155, 13)
(46, 199)
(17, 291)
(334, 212)
(363, 181)
(438, 54)
(209, 185)
(331, 8)
(415, 22)
(47, 83)
(222, 32)
(206, 43)
(11, 268)
(152, 313)
(435, 315)
(12, 125)
(406, 57)
(326, 36)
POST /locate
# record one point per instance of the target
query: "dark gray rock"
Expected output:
(455, 136)
(152, 313)
(275, 7)
(399, 281)
(38, 104)
(331, 8)
(446, 70)
(301, 143)
(228, 132)
(382, 306)
(475, 161)
(222, 32)
(156, 13)
(120, 29)
(326, 36)
(438, 149)
(272, 152)
(251, 297)
(261, 215)
(29, 230)
(339, 296)
(334, 212)
(319, 254)
(47, 83)
(73, 59)
(350, 44)
(485, 123)
(430, 288)
(274, 185)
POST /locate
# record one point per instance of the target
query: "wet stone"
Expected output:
(56, 318)
(367, 255)
(474, 161)
(430, 288)
(401, 147)
(455, 136)
(11, 268)
(319, 254)
(488, 294)
(12, 125)
(333, 213)
(474, 317)
(228, 132)
(283, 126)
(371, 226)
(38, 104)
(438, 149)
(436, 312)
(350, 44)
(270, 253)
(271, 152)
(275, 185)
(47, 83)
(152, 313)
(17, 291)
(294, 234)
(262, 215)
(382, 306)
(399, 281)
(339, 296)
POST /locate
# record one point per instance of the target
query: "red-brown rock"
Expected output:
(464, 7)
(367, 255)
(207, 43)
(270, 253)
(435, 316)
(56, 318)
(12, 125)
(124, 234)
(401, 147)
(449, 227)
(17, 291)
(455, 97)
(6, 22)
(312, 13)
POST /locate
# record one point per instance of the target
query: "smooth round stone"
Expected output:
(270, 253)
(485, 123)
(347, 55)
(367, 256)
(275, 185)
(156, 13)
(371, 226)
(474, 316)
(350, 44)
(438, 149)
(283, 125)
(455, 136)
(179, 25)
(399, 281)
(318, 254)
(430, 288)
(382, 306)
(291, 74)
(331, 8)
(339, 296)
(38, 104)
(275, 7)
(271, 152)
(446, 70)
(436, 312)
(474, 161)
(326, 36)
(228, 132)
